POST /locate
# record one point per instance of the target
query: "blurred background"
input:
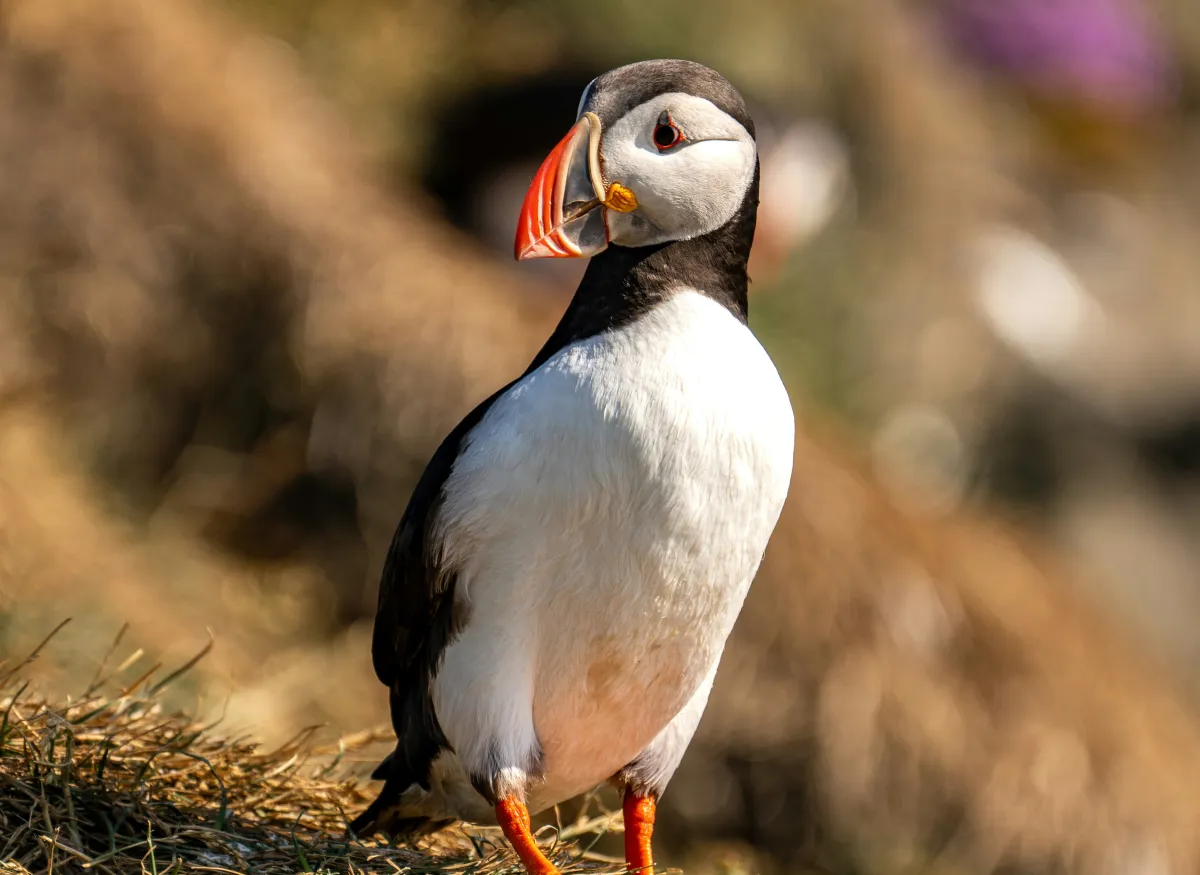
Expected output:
(255, 261)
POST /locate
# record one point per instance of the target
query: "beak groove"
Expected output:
(559, 218)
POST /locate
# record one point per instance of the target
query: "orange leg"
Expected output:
(639, 825)
(514, 820)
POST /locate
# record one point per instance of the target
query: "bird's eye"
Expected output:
(666, 134)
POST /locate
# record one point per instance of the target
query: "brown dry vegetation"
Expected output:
(111, 781)
(195, 259)
(226, 355)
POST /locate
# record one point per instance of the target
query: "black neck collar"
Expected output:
(622, 283)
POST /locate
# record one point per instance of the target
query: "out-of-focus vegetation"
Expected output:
(254, 262)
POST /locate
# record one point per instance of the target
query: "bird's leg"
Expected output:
(514, 820)
(639, 825)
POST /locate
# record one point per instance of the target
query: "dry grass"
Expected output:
(112, 782)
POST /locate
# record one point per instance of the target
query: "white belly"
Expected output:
(606, 520)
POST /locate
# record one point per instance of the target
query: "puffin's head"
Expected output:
(660, 151)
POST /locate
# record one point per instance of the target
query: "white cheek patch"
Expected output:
(683, 192)
(690, 193)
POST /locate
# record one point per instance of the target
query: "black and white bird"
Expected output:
(560, 589)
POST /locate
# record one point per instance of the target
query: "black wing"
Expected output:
(416, 620)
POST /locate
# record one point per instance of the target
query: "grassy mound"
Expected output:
(112, 782)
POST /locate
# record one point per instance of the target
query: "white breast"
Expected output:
(606, 519)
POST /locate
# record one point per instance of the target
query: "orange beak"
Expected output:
(562, 216)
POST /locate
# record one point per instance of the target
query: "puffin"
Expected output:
(558, 593)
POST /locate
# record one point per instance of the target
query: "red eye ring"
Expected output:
(666, 134)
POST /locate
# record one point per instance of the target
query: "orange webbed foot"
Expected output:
(639, 826)
(518, 829)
